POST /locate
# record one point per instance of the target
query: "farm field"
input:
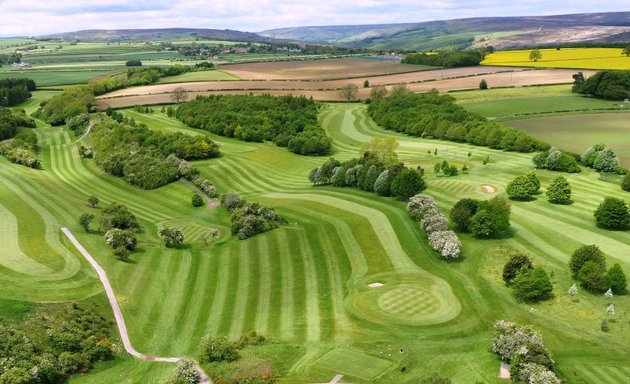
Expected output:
(576, 133)
(578, 58)
(214, 75)
(306, 283)
(53, 77)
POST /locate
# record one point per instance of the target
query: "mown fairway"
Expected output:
(307, 282)
(579, 58)
(577, 132)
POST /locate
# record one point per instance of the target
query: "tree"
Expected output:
(366, 84)
(520, 188)
(179, 95)
(532, 286)
(492, 218)
(407, 183)
(610, 310)
(186, 372)
(196, 201)
(173, 236)
(585, 254)
(592, 277)
(559, 192)
(626, 50)
(609, 294)
(462, 212)
(383, 149)
(349, 92)
(217, 349)
(533, 178)
(625, 183)
(211, 236)
(118, 216)
(85, 221)
(573, 290)
(616, 279)
(399, 90)
(93, 201)
(535, 55)
(483, 84)
(518, 263)
(119, 238)
(606, 160)
(231, 201)
(613, 213)
(378, 92)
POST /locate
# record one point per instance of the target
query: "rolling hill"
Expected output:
(500, 32)
(113, 35)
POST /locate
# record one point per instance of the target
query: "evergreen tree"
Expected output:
(616, 279)
(559, 191)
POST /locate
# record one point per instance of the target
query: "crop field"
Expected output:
(578, 58)
(48, 78)
(307, 282)
(213, 75)
(575, 133)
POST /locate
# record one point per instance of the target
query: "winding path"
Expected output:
(120, 320)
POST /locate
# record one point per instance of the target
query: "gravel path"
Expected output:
(120, 320)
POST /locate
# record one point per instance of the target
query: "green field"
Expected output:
(47, 78)
(576, 133)
(307, 282)
(213, 75)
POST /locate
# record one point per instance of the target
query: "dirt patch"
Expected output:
(489, 189)
(375, 285)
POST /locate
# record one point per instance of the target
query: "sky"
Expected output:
(40, 17)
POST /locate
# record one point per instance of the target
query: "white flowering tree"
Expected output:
(573, 290)
(610, 311)
(609, 294)
(172, 236)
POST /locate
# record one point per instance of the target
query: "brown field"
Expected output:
(318, 69)
(444, 81)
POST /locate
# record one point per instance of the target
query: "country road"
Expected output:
(120, 320)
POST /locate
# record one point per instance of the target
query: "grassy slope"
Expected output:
(214, 75)
(302, 283)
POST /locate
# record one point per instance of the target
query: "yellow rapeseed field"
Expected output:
(579, 58)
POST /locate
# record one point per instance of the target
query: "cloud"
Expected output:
(38, 17)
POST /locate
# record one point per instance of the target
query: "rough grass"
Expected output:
(299, 283)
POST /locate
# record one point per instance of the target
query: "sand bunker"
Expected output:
(489, 189)
(375, 285)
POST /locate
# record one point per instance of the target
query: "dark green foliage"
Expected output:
(518, 263)
(559, 191)
(249, 219)
(407, 183)
(173, 236)
(324, 174)
(217, 349)
(119, 238)
(609, 85)
(93, 201)
(50, 346)
(197, 201)
(64, 106)
(133, 63)
(532, 286)
(85, 220)
(556, 160)
(584, 254)
(604, 325)
(20, 149)
(592, 277)
(435, 378)
(370, 177)
(286, 120)
(436, 116)
(535, 353)
(521, 188)
(15, 91)
(613, 213)
(462, 212)
(118, 216)
(625, 183)
(533, 178)
(616, 279)
(492, 218)
(10, 120)
(446, 59)
(483, 84)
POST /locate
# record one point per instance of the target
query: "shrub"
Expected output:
(173, 236)
(613, 213)
(483, 84)
(196, 201)
(419, 205)
(446, 243)
(250, 219)
(118, 238)
(118, 216)
(555, 160)
(532, 286)
(606, 161)
(186, 372)
(462, 213)
(407, 184)
(559, 192)
(509, 339)
(517, 263)
(521, 188)
(231, 201)
(625, 183)
(217, 349)
(592, 276)
(584, 254)
(492, 218)
(616, 279)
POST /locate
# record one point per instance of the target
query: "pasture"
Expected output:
(578, 58)
(575, 133)
(307, 282)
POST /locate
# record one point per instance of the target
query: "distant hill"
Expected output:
(500, 32)
(114, 35)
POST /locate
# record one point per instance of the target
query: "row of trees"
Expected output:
(445, 59)
(137, 75)
(609, 85)
(21, 149)
(48, 347)
(523, 348)
(602, 159)
(287, 121)
(526, 186)
(556, 160)
(484, 219)
(249, 219)
(436, 116)
(588, 267)
(424, 209)
(15, 91)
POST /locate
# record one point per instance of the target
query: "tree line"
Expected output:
(18, 146)
(15, 91)
(435, 116)
(445, 59)
(287, 121)
(609, 85)
(64, 106)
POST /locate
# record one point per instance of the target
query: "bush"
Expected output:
(231, 201)
(173, 236)
(133, 63)
(217, 349)
(585, 254)
(196, 201)
(555, 160)
(446, 243)
(118, 238)
(492, 218)
(592, 276)
(613, 213)
(407, 184)
(382, 185)
(483, 84)
(625, 183)
(616, 279)
(250, 219)
(606, 161)
(518, 263)
(559, 192)
(118, 216)
(521, 188)
(462, 213)
(532, 286)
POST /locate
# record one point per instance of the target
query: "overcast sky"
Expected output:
(38, 17)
